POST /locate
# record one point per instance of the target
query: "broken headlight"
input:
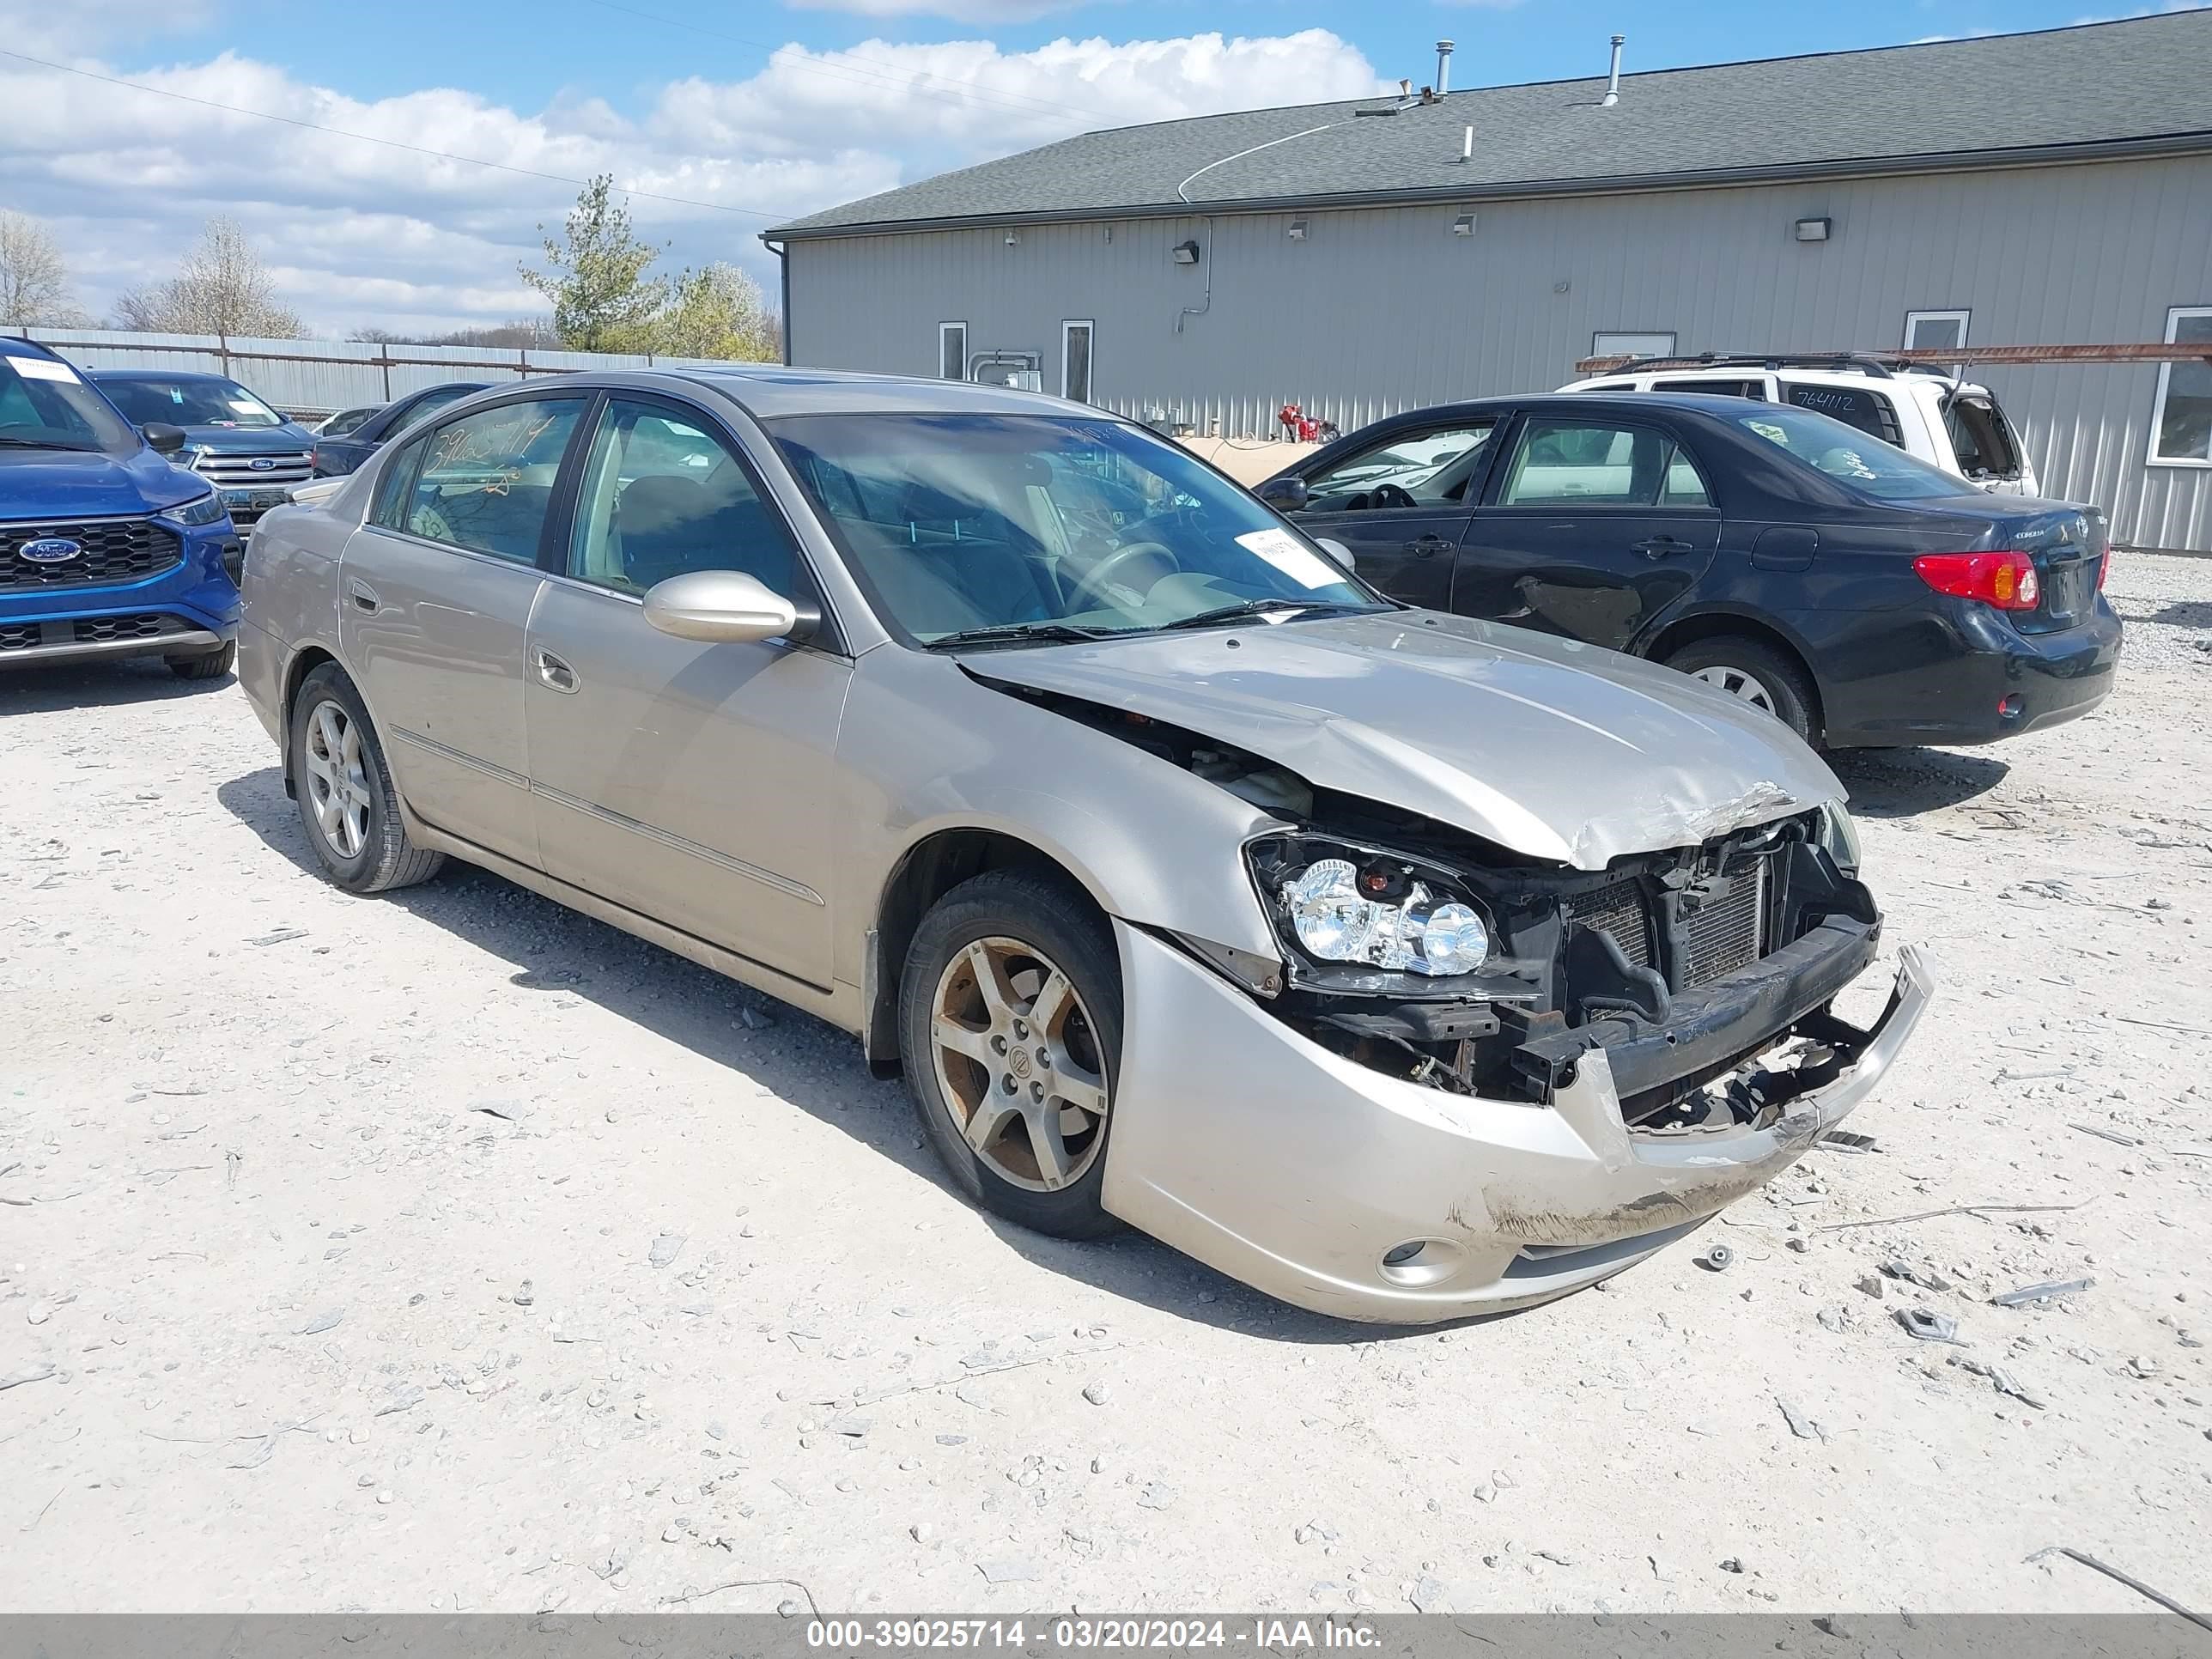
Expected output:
(1346, 904)
(1838, 836)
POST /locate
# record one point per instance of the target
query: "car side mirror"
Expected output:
(164, 438)
(1337, 550)
(1286, 494)
(727, 607)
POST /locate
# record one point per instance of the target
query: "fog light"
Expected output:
(2009, 706)
(1421, 1262)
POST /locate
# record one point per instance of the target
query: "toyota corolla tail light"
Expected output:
(2007, 580)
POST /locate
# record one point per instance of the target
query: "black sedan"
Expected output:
(338, 454)
(1777, 553)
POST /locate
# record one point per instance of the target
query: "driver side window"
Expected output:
(662, 496)
(1429, 467)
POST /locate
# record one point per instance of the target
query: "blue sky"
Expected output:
(778, 108)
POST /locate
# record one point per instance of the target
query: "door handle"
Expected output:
(1659, 547)
(1424, 547)
(363, 596)
(553, 671)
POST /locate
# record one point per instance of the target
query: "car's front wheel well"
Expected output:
(303, 664)
(929, 870)
(1672, 641)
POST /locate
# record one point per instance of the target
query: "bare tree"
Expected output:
(34, 285)
(222, 288)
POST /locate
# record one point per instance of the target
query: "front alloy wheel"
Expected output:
(1017, 1060)
(1010, 1027)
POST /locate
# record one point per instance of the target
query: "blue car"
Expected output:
(251, 453)
(106, 548)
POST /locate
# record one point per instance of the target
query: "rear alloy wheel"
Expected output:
(344, 791)
(1010, 1015)
(1753, 673)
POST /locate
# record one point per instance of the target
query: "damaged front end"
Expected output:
(1682, 965)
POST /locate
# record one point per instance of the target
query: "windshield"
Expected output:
(193, 400)
(1046, 524)
(43, 405)
(1850, 456)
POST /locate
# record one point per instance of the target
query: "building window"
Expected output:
(952, 351)
(1075, 362)
(1936, 331)
(1632, 343)
(2181, 424)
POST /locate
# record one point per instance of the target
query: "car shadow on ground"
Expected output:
(1902, 783)
(806, 1062)
(98, 685)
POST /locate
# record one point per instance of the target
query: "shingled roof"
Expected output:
(2133, 87)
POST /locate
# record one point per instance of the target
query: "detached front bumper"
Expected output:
(1247, 1146)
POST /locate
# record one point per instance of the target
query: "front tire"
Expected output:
(212, 667)
(344, 790)
(1755, 673)
(1010, 1022)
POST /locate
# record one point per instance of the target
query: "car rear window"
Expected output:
(1859, 406)
(1845, 454)
(1981, 438)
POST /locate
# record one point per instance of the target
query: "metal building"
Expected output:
(1359, 259)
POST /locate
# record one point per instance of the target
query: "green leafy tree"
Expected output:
(717, 312)
(596, 277)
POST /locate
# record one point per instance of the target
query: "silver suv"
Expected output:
(1404, 966)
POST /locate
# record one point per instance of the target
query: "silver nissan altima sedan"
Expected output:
(1404, 967)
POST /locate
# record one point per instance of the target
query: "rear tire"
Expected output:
(205, 668)
(1757, 673)
(1010, 1023)
(344, 787)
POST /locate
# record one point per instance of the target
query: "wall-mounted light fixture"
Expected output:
(1464, 225)
(1813, 230)
(1011, 239)
(1186, 254)
(1298, 230)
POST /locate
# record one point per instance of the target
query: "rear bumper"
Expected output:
(1241, 1143)
(1969, 677)
(190, 610)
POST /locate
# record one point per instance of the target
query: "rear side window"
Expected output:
(392, 489)
(1854, 405)
(1563, 462)
(487, 478)
(1981, 440)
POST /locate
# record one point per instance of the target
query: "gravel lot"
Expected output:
(451, 1251)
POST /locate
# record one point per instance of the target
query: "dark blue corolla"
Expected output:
(106, 548)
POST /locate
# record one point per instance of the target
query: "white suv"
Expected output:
(1937, 417)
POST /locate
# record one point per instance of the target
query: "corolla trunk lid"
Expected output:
(1555, 749)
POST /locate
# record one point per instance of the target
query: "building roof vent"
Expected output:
(1444, 67)
(1612, 79)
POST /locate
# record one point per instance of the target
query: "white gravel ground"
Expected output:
(451, 1251)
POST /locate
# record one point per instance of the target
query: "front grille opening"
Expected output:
(18, 636)
(101, 630)
(110, 550)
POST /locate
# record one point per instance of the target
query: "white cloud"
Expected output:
(361, 232)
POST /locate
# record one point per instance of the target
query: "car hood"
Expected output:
(289, 439)
(38, 485)
(1552, 748)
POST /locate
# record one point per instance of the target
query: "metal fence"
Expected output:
(320, 377)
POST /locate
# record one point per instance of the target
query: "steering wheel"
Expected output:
(1093, 581)
(1391, 494)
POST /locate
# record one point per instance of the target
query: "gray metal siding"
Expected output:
(1382, 309)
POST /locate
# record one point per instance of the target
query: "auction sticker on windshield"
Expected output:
(41, 368)
(1300, 563)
